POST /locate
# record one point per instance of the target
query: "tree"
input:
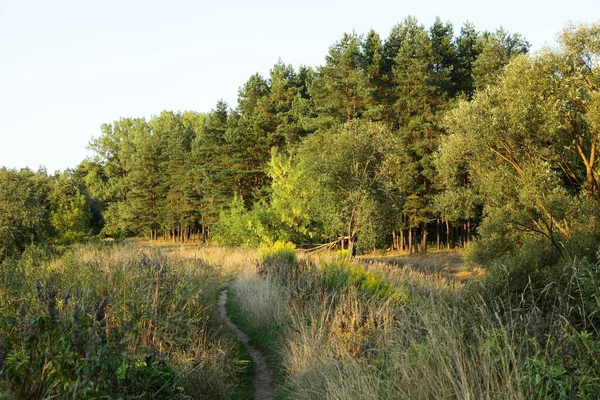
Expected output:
(169, 188)
(443, 52)
(115, 152)
(283, 105)
(377, 82)
(70, 210)
(495, 51)
(467, 51)
(290, 201)
(339, 89)
(23, 210)
(528, 146)
(419, 93)
(214, 182)
(345, 169)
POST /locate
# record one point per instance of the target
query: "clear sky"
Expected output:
(66, 67)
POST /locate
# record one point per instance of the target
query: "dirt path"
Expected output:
(264, 388)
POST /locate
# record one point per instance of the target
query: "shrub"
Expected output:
(342, 273)
(278, 259)
(76, 355)
(565, 366)
(112, 322)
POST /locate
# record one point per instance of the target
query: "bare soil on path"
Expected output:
(264, 388)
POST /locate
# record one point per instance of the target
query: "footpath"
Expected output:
(264, 388)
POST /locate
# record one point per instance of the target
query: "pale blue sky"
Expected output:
(66, 67)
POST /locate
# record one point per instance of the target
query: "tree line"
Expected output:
(37, 208)
(420, 138)
(357, 135)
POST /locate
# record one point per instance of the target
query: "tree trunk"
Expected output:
(447, 234)
(415, 240)
(437, 228)
(402, 240)
(468, 231)
(424, 237)
(410, 241)
(352, 245)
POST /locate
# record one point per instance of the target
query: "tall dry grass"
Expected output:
(415, 352)
(344, 345)
(263, 300)
(116, 321)
(229, 260)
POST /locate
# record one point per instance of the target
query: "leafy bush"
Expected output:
(77, 356)
(112, 322)
(258, 226)
(342, 273)
(278, 259)
(565, 366)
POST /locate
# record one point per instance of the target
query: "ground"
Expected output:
(448, 263)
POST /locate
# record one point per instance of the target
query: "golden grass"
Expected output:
(447, 263)
(230, 260)
(341, 346)
(262, 299)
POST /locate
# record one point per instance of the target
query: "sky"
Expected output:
(67, 67)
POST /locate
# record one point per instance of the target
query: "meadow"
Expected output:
(342, 328)
(140, 320)
(117, 321)
(397, 145)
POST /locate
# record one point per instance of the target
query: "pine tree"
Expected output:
(419, 99)
(495, 51)
(339, 89)
(467, 51)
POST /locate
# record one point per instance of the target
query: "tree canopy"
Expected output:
(391, 141)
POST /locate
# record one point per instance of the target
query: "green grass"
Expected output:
(114, 321)
(339, 332)
(244, 371)
(265, 337)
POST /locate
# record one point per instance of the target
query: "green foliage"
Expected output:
(339, 90)
(524, 148)
(346, 171)
(74, 357)
(24, 215)
(564, 366)
(70, 211)
(346, 150)
(496, 50)
(338, 275)
(342, 150)
(111, 322)
(538, 271)
(343, 274)
(278, 259)
(248, 228)
(37, 208)
(467, 52)
(290, 200)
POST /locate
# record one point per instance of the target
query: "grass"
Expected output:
(116, 321)
(334, 341)
(443, 263)
(230, 261)
(259, 308)
(140, 322)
